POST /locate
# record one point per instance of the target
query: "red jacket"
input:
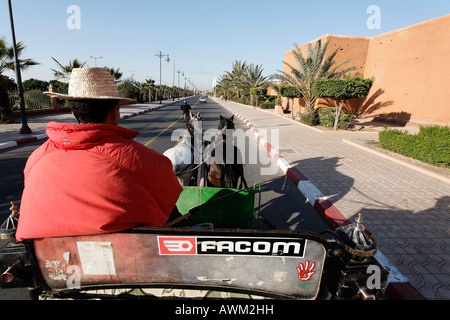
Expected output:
(94, 178)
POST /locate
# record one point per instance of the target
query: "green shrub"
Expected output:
(244, 100)
(129, 89)
(34, 84)
(60, 86)
(267, 98)
(342, 89)
(267, 105)
(326, 116)
(258, 91)
(309, 117)
(430, 145)
(290, 92)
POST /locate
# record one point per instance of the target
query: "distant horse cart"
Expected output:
(215, 249)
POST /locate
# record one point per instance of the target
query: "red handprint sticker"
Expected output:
(305, 271)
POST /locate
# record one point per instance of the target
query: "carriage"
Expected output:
(218, 248)
(216, 251)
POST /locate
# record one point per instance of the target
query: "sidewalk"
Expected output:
(10, 137)
(406, 209)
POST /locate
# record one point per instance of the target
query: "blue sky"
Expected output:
(202, 37)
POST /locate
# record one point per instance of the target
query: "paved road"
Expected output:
(280, 203)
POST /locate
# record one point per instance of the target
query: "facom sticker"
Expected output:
(232, 246)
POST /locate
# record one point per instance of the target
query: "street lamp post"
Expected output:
(25, 129)
(173, 82)
(96, 58)
(160, 55)
(179, 81)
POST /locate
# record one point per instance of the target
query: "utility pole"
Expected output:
(173, 82)
(96, 58)
(160, 55)
(179, 80)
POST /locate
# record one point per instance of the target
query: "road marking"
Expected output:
(154, 138)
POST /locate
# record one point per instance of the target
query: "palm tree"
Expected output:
(7, 63)
(312, 67)
(115, 73)
(224, 84)
(150, 85)
(253, 78)
(65, 71)
(236, 76)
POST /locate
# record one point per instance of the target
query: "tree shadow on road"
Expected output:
(283, 207)
(416, 243)
(323, 174)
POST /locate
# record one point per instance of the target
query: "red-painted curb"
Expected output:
(330, 214)
(26, 140)
(402, 291)
(295, 175)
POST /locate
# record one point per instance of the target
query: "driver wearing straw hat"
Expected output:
(92, 177)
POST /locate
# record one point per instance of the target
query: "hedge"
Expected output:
(290, 92)
(430, 145)
(324, 116)
(342, 89)
(267, 105)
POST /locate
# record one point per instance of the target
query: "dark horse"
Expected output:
(220, 173)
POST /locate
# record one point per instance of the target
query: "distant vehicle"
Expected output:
(202, 99)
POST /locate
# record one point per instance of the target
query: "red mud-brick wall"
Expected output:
(412, 66)
(411, 70)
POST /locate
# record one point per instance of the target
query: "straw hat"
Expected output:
(91, 83)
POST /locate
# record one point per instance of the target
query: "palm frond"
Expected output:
(7, 58)
(66, 70)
